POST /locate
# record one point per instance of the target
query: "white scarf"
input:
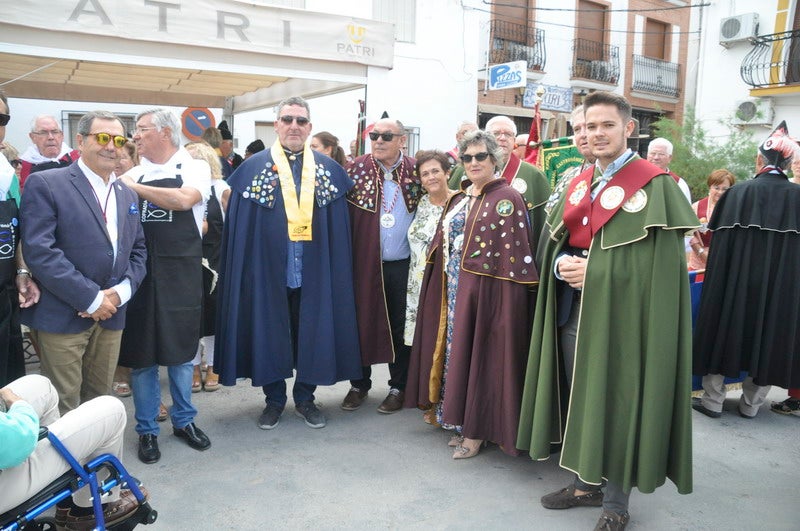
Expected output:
(33, 156)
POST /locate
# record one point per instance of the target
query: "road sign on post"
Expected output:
(195, 120)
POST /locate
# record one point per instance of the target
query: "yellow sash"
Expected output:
(298, 213)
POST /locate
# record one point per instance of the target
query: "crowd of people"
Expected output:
(540, 319)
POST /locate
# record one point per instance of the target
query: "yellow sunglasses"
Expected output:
(105, 138)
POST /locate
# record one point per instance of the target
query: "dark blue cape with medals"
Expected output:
(252, 332)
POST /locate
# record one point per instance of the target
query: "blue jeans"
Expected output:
(147, 397)
(275, 393)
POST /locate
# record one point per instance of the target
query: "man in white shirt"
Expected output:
(164, 321)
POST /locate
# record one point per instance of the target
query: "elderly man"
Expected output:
(286, 291)
(164, 317)
(84, 244)
(627, 369)
(27, 465)
(520, 145)
(382, 205)
(523, 177)
(659, 152)
(48, 150)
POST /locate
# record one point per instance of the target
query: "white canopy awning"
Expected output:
(203, 53)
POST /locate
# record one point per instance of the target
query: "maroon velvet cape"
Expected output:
(492, 323)
(374, 331)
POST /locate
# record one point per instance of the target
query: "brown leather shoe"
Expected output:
(566, 499)
(353, 400)
(113, 513)
(611, 521)
(393, 402)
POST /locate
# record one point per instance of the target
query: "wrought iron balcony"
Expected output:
(656, 76)
(774, 60)
(517, 42)
(595, 61)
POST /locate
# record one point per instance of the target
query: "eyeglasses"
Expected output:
(51, 132)
(4, 118)
(301, 120)
(140, 130)
(386, 137)
(104, 138)
(720, 188)
(498, 134)
(480, 157)
(16, 163)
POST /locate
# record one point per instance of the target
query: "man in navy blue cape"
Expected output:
(286, 285)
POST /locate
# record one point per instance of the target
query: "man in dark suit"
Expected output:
(84, 244)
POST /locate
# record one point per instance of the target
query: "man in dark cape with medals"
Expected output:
(286, 280)
(382, 205)
(749, 316)
(615, 240)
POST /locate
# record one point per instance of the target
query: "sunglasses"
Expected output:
(4, 118)
(104, 138)
(480, 157)
(301, 120)
(386, 137)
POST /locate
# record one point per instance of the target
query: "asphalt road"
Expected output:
(371, 471)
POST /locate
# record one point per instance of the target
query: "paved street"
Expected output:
(371, 471)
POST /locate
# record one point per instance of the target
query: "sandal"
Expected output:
(212, 380)
(163, 414)
(430, 417)
(121, 389)
(790, 406)
(197, 382)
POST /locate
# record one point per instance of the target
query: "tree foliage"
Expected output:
(695, 156)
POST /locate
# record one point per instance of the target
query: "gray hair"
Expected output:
(504, 119)
(482, 137)
(164, 118)
(86, 121)
(39, 117)
(660, 142)
(294, 100)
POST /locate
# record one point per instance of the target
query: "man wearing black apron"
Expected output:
(12, 360)
(164, 316)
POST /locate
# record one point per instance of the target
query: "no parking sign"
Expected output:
(195, 120)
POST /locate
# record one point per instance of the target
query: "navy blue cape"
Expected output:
(252, 333)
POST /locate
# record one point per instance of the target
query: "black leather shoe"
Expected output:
(148, 449)
(193, 435)
(697, 405)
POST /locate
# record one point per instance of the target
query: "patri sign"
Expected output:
(508, 75)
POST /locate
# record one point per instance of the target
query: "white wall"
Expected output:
(432, 85)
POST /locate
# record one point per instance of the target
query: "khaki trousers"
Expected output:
(80, 366)
(94, 428)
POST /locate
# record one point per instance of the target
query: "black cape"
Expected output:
(749, 316)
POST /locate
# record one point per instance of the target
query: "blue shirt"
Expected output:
(19, 433)
(294, 256)
(394, 240)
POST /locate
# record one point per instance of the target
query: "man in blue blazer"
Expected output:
(83, 243)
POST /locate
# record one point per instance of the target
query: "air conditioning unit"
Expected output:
(757, 111)
(737, 29)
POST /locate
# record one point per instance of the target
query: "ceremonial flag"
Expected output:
(533, 154)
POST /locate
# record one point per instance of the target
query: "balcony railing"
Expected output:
(595, 61)
(656, 76)
(774, 60)
(517, 42)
